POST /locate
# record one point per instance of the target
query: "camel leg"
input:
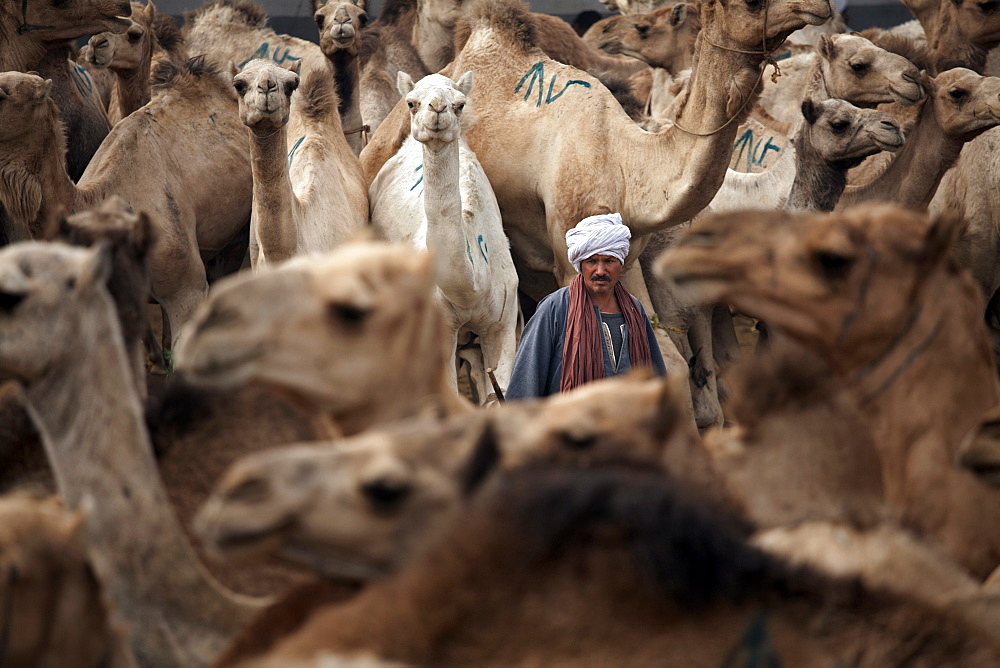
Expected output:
(178, 279)
(727, 346)
(499, 347)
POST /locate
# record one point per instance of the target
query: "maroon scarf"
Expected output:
(583, 347)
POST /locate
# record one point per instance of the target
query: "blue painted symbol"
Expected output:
(420, 180)
(537, 73)
(264, 51)
(291, 154)
(483, 248)
(755, 153)
(82, 80)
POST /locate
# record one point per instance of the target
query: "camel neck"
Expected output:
(818, 184)
(131, 89)
(433, 39)
(913, 176)
(347, 75)
(20, 53)
(272, 220)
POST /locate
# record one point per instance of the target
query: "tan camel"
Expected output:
(61, 340)
(340, 25)
(920, 368)
(961, 105)
(539, 206)
(151, 38)
(28, 30)
(562, 565)
(54, 611)
(374, 300)
(188, 141)
(960, 33)
(313, 198)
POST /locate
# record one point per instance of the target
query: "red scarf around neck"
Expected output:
(583, 347)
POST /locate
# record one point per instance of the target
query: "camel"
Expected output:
(433, 194)
(152, 37)
(979, 453)
(340, 25)
(28, 30)
(54, 611)
(61, 340)
(381, 308)
(563, 565)
(539, 206)
(920, 368)
(195, 210)
(309, 200)
(960, 33)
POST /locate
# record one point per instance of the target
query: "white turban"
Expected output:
(605, 234)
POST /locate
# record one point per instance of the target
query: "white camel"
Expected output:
(434, 194)
(308, 191)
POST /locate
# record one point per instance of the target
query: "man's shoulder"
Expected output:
(554, 300)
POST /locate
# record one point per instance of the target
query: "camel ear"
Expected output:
(827, 48)
(465, 83)
(940, 238)
(96, 267)
(233, 70)
(145, 235)
(150, 10)
(679, 14)
(43, 91)
(483, 460)
(404, 83)
(316, 4)
(295, 66)
(809, 111)
(362, 4)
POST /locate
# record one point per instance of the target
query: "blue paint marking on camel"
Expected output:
(483, 248)
(420, 180)
(264, 51)
(537, 73)
(291, 154)
(755, 153)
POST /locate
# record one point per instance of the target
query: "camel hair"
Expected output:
(195, 210)
(434, 195)
(959, 33)
(920, 368)
(381, 307)
(960, 105)
(54, 610)
(539, 206)
(151, 38)
(314, 198)
(340, 38)
(61, 341)
(611, 566)
(27, 31)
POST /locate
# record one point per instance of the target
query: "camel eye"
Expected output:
(835, 265)
(578, 442)
(349, 314)
(363, 19)
(319, 21)
(386, 495)
(134, 37)
(459, 106)
(410, 104)
(642, 29)
(241, 86)
(753, 5)
(958, 94)
(839, 126)
(988, 7)
(859, 68)
(10, 300)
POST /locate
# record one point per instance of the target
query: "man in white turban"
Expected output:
(592, 329)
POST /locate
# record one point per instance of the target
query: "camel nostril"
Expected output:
(103, 43)
(889, 125)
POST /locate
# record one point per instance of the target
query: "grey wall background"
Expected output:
(294, 17)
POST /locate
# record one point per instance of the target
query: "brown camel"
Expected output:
(54, 611)
(152, 37)
(664, 38)
(195, 210)
(340, 25)
(560, 565)
(980, 451)
(920, 367)
(960, 33)
(60, 338)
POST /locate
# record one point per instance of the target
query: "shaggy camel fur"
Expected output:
(29, 30)
(434, 195)
(539, 206)
(188, 142)
(562, 565)
(151, 38)
(961, 106)
(314, 198)
(355, 333)
(54, 613)
(60, 338)
(920, 368)
(340, 25)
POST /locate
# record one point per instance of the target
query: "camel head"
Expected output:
(861, 73)
(340, 25)
(128, 50)
(980, 451)
(357, 508)
(978, 21)
(56, 20)
(844, 135)
(664, 38)
(24, 105)
(47, 290)
(845, 284)
(265, 92)
(436, 106)
(966, 104)
(54, 612)
(741, 24)
(347, 330)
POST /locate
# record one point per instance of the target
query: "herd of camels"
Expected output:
(329, 475)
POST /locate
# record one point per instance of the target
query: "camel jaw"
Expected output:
(330, 565)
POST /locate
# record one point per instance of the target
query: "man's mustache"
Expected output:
(600, 279)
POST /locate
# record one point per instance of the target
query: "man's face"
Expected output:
(601, 273)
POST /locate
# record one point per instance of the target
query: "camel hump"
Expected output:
(244, 11)
(319, 99)
(507, 17)
(172, 74)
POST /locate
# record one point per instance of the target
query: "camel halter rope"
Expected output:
(364, 130)
(768, 59)
(28, 27)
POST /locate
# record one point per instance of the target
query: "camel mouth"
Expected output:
(812, 19)
(609, 44)
(891, 145)
(986, 471)
(243, 540)
(331, 566)
(907, 100)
